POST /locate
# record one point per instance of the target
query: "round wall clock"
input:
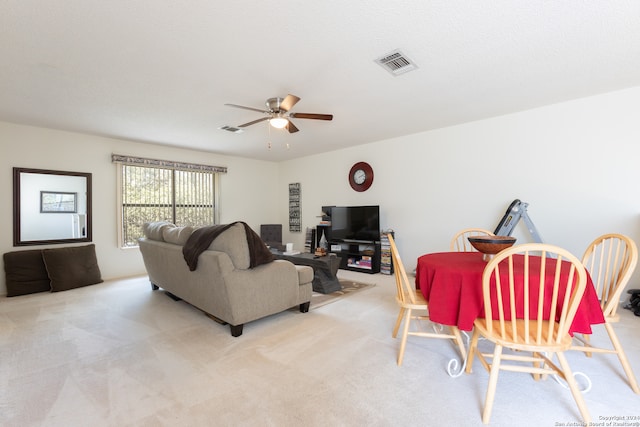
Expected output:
(361, 176)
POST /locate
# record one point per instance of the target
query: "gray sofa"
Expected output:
(222, 285)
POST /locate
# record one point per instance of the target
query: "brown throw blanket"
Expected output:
(201, 238)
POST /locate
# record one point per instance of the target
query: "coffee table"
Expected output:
(325, 269)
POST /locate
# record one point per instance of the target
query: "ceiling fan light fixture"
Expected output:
(278, 122)
(278, 113)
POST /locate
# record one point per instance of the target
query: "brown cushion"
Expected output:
(25, 273)
(72, 267)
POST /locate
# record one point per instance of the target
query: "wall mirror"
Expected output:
(51, 207)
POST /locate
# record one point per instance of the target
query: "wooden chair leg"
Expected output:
(623, 358)
(458, 338)
(587, 343)
(573, 386)
(405, 333)
(398, 322)
(493, 381)
(536, 364)
(472, 349)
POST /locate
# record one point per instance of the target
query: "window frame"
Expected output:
(122, 161)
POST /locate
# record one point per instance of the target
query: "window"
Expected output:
(154, 190)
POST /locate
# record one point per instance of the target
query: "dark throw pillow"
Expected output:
(72, 267)
(25, 273)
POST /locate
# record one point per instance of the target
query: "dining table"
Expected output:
(451, 282)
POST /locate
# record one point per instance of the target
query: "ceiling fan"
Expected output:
(278, 113)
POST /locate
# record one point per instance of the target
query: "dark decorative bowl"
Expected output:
(491, 245)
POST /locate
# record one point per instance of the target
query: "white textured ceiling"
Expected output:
(161, 71)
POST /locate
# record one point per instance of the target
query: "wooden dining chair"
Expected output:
(514, 316)
(610, 260)
(411, 301)
(460, 243)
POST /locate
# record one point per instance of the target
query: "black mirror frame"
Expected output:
(16, 208)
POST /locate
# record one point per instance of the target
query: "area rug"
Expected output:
(349, 287)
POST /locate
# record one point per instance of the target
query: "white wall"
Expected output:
(243, 197)
(577, 164)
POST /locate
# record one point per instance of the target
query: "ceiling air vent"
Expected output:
(396, 63)
(231, 129)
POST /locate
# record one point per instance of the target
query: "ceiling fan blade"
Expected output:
(291, 127)
(254, 122)
(246, 108)
(288, 103)
(312, 116)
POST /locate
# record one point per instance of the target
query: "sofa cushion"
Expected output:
(233, 241)
(153, 230)
(177, 235)
(72, 267)
(25, 273)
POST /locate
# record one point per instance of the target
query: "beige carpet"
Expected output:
(120, 355)
(349, 287)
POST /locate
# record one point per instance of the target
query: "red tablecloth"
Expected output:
(452, 284)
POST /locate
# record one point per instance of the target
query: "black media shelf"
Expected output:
(363, 256)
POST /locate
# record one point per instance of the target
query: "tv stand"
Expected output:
(355, 254)
(362, 256)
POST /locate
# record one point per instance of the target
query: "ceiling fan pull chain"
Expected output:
(268, 137)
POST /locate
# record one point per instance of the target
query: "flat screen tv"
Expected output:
(355, 223)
